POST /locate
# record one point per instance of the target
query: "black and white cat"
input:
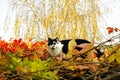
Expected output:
(56, 47)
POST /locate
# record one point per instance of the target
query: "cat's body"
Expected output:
(78, 42)
(56, 47)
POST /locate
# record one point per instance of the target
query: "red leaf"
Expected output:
(110, 30)
(27, 54)
(23, 45)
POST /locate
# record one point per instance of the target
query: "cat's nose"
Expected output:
(53, 48)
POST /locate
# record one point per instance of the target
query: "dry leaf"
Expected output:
(86, 47)
(82, 67)
(93, 67)
(71, 47)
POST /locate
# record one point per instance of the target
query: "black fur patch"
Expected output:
(51, 41)
(66, 42)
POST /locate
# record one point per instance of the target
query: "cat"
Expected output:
(57, 47)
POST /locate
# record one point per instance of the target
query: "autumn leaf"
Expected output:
(2, 77)
(21, 69)
(29, 44)
(81, 67)
(106, 53)
(110, 30)
(86, 47)
(23, 45)
(93, 67)
(111, 58)
(71, 47)
(117, 55)
(72, 44)
(30, 39)
(71, 67)
(116, 29)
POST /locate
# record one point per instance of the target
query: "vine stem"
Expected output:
(85, 53)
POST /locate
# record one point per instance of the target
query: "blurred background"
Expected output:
(40, 19)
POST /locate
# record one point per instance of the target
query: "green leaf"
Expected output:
(37, 65)
(16, 61)
(111, 58)
(25, 62)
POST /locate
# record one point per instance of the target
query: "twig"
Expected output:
(85, 53)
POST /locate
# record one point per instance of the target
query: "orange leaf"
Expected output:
(93, 67)
(110, 30)
(85, 47)
(81, 67)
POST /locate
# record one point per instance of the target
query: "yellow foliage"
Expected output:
(16, 26)
(114, 54)
(61, 18)
(111, 58)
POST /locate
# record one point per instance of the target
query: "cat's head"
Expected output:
(53, 43)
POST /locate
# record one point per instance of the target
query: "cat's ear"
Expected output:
(49, 39)
(56, 38)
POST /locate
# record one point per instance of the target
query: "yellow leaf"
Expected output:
(117, 55)
(71, 67)
(69, 54)
(71, 47)
(71, 44)
(111, 58)
(29, 44)
(95, 59)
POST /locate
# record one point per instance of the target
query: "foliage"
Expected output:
(50, 18)
(115, 50)
(111, 29)
(30, 60)
(25, 60)
(114, 54)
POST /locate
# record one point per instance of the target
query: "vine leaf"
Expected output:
(71, 67)
(71, 47)
(117, 55)
(111, 58)
(110, 30)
